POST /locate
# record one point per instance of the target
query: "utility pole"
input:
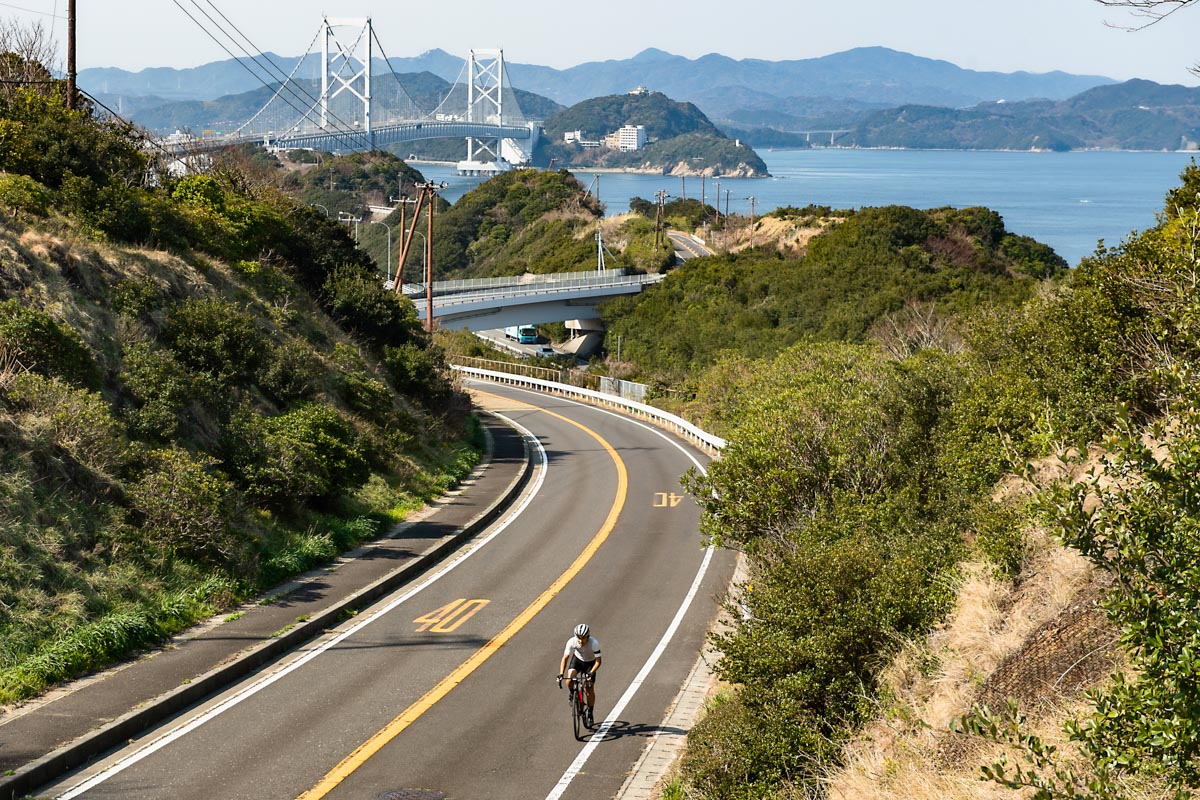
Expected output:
(347, 217)
(402, 201)
(683, 187)
(429, 256)
(660, 196)
(751, 199)
(71, 74)
(430, 190)
(726, 231)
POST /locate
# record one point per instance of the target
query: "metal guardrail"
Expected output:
(557, 287)
(476, 284)
(677, 425)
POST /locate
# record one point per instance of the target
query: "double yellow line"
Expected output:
(410, 715)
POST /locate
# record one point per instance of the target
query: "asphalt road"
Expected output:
(448, 685)
(686, 247)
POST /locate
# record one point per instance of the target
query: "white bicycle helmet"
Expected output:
(582, 630)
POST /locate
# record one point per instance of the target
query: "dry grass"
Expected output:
(999, 636)
(787, 236)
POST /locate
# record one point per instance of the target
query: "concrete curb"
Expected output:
(663, 750)
(78, 752)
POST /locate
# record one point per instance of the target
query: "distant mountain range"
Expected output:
(722, 87)
(871, 97)
(1135, 115)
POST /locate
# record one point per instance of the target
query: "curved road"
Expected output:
(686, 247)
(448, 686)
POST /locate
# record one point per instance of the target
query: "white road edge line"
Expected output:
(586, 753)
(233, 700)
(613, 715)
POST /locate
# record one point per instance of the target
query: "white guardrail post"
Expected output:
(677, 425)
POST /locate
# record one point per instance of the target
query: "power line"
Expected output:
(54, 15)
(293, 88)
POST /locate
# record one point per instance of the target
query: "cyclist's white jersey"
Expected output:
(583, 652)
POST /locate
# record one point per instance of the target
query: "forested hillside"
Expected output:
(204, 390)
(865, 271)
(1135, 115)
(680, 137)
(519, 221)
(920, 402)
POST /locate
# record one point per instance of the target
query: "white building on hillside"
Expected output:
(631, 137)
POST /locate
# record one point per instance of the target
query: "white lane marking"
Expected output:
(613, 715)
(229, 702)
(586, 753)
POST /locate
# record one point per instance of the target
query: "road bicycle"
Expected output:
(581, 717)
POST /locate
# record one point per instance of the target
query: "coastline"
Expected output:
(662, 171)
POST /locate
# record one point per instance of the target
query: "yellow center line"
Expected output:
(410, 715)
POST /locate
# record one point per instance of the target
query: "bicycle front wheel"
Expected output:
(577, 711)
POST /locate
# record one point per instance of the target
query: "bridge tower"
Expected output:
(347, 69)
(485, 103)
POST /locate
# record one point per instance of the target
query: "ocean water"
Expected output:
(1070, 201)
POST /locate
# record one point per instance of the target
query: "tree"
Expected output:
(23, 52)
(1153, 12)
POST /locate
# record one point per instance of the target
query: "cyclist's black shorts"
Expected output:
(581, 666)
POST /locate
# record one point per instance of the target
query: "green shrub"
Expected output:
(291, 371)
(212, 335)
(358, 301)
(203, 191)
(16, 151)
(22, 193)
(417, 372)
(187, 508)
(46, 346)
(62, 142)
(1000, 537)
(309, 453)
(77, 421)
(138, 296)
(743, 751)
(369, 397)
(161, 388)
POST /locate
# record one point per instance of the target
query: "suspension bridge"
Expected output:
(353, 105)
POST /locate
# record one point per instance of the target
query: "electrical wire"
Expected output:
(292, 88)
(32, 11)
(295, 89)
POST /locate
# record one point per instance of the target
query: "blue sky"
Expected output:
(1000, 35)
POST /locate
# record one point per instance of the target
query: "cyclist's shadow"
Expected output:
(620, 729)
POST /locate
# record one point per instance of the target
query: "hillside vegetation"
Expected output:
(520, 221)
(867, 271)
(204, 390)
(681, 138)
(898, 381)
(1135, 115)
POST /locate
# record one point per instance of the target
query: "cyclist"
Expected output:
(581, 654)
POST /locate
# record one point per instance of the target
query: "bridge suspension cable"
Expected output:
(346, 107)
(258, 59)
